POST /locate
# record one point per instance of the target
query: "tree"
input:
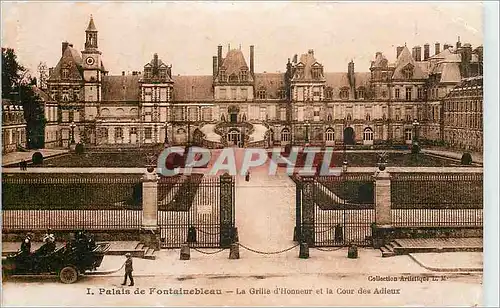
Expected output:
(18, 86)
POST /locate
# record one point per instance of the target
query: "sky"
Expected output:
(186, 34)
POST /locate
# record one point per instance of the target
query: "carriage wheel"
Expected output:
(68, 274)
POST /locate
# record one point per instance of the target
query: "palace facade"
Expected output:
(235, 105)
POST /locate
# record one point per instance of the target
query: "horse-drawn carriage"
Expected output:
(68, 261)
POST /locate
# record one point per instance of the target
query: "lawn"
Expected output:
(137, 158)
(71, 191)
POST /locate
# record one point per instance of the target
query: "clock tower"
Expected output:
(92, 66)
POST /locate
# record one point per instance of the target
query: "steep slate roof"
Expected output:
(234, 62)
(339, 80)
(272, 82)
(308, 61)
(120, 88)
(196, 88)
(450, 72)
(72, 59)
(403, 61)
(380, 61)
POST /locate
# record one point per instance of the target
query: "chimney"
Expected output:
(418, 53)
(51, 70)
(350, 76)
(219, 56)
(64, 46)
(169, 71)
(437, 48)
(311, 52)
(215, 67)
(251, 59)
(446, 46)
(458, 43)
(71, 45)
(414, 53)
(399, 49)
(426, 51)
(295, 59)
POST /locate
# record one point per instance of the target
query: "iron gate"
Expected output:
(196, 209)
(335, 210)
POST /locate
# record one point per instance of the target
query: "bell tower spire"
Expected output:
(91, 35)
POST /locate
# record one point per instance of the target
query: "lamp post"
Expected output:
(415, 131)
(344, 163)
(72, 126)
(307, 131)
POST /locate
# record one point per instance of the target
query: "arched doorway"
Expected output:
(349, 135)
(233, 137)
(368, 136)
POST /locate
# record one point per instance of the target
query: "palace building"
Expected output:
(389, 103)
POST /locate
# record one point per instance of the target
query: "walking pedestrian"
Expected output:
(247, 176)
(26, 245)
(128, 270)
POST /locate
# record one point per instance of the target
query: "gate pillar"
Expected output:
(383, 219)
(149, 234)
(226, 210)
(383, 198)
(308, 210)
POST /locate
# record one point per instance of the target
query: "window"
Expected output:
(133, 130)
(344, 93)
(148, 133)
(244, 75)
(233, 93)
(283, 114)
(316, 92)
(329, 93)
(408, 94)
(65, 73)
(398, 114)
(396, 93)
(330, 135)
(222, 94)
(368, 134)
(222, 75)
(361, 93)
(384, 75)
(285, 134)
(367, 117)
(118, 133)
(147, 73)
(316, 73)
(244, 93)
(163, 73)
(384, 94)
(233, 78)
(420, 93)
(282, 94)
(408, 134)
(408, 73)
(261, 94)
(316, 112)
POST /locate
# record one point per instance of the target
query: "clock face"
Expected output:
(90, 60)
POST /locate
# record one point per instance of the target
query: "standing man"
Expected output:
(26, 245)
(128, 270)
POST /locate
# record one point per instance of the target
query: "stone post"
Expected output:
(383, 220)
(150, 235)
(308, 210)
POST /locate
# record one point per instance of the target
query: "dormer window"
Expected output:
(233, 78)
(316, 73)
(344, 93)
(65, 73)
(300, 72)
(408, 73)
(163, 73)
(147, 73)
(261, 94)
(222, 75)
(329, 93)
(282, 94)
(361, 93)
(244, 75)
